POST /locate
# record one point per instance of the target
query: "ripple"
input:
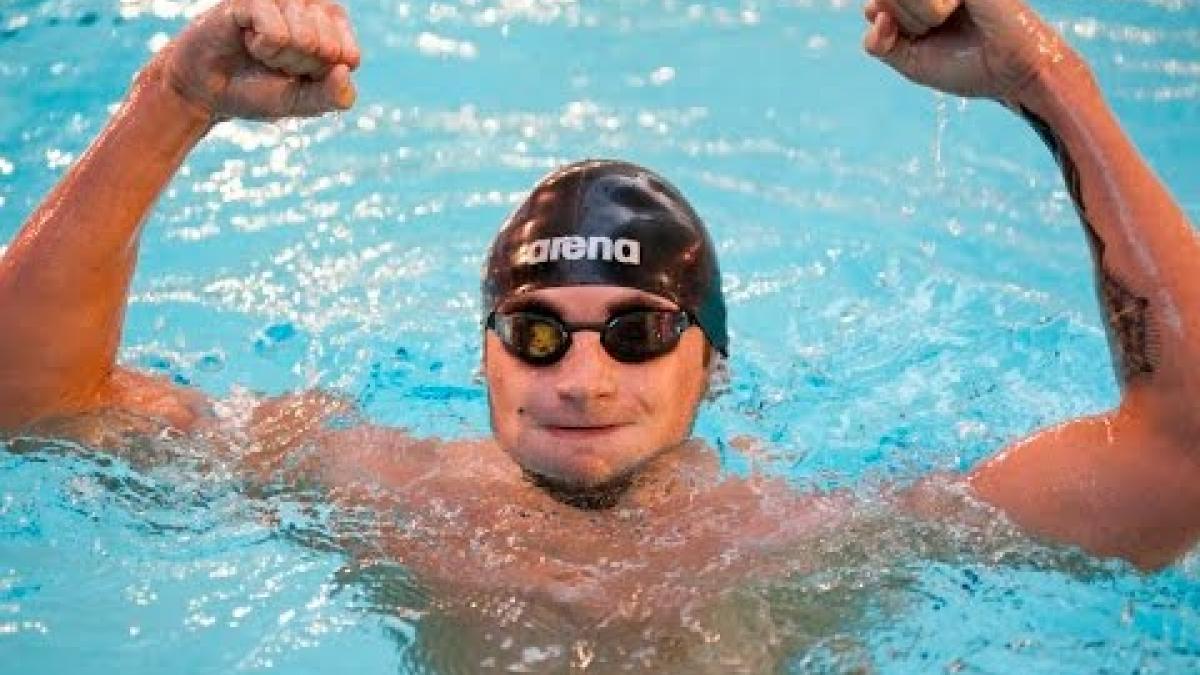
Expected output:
(906, 280)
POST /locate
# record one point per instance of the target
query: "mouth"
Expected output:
(580, 431)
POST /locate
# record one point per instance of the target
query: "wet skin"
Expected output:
(486, 547)
(1125, 482)
(589, 419)
(589, 424)
(464, 518)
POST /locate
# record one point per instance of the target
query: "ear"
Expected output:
(480, 375)
(716, 375)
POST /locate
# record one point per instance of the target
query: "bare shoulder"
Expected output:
(311, 435)
(368, 463)
(129, 404)
(154, 397)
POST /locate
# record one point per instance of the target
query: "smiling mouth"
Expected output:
(581, 431)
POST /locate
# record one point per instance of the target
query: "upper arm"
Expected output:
(126, 403)
(1115, 484)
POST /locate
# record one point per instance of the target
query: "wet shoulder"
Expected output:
(411, 468)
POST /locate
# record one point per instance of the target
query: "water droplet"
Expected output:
(210, 363)
(280, 332)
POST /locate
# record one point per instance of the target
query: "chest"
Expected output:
(501, 538)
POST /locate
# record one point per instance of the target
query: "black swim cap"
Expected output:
(612, 223)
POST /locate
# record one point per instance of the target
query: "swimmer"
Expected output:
(605, 322)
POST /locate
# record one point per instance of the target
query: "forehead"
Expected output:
(585, 302)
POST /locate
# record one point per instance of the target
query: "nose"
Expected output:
(586, 373)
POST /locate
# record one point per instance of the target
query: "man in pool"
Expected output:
(605, 321)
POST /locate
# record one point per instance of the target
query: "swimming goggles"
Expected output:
(629, 337)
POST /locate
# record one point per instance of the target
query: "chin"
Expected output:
(583, 466)
(573, 469)
(589, 488)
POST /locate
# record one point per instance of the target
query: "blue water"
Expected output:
(908, 285)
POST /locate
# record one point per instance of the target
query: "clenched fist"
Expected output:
(263, 59)
(978, 48)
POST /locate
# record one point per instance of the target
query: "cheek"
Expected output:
(503, 387)
(671, 393)
(511, 392)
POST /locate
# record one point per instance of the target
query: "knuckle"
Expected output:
(336, 11)
(330, 50)
(305, 39)
(272, 39)
(324, 52)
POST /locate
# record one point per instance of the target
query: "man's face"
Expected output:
(588, 418)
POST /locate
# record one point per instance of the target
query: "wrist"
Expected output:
(154, 88)
(1064, 79)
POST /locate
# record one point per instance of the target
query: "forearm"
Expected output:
(64, 280)
(1146, 253)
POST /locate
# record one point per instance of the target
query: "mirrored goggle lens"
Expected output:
(641, 336)
(535, 338)
(630, 338)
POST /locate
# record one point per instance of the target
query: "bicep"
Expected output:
(1111, 484)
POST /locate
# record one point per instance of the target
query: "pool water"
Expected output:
(909, 291)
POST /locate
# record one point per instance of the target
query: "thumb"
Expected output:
(884, 41)
(333, 92)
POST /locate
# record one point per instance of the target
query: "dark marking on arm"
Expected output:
(1132, 333)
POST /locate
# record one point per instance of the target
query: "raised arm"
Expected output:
(64, 280)
(1127, 482)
